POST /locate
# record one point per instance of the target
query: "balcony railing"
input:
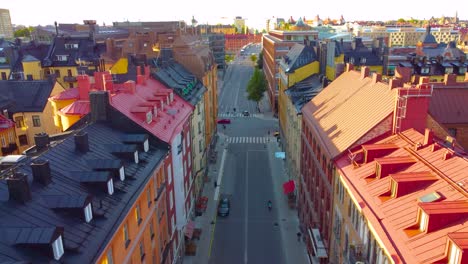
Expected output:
(356, 254)
(69, 79)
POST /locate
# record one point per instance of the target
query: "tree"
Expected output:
(24, 32)
(253, 58)
(260, 60)
(256, 86)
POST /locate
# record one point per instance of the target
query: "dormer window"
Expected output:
(393, 188)
(363, 60)
(448, 70)
(122, 173)
(149, 117)
(351, 60)
(62, 57)
(146, 145)
(425, 70)
(462, 70)
(71, 46)
(110, 187)
(88, 213)
(454, 254)
(423, 220)
(135, 155)
(57, 248)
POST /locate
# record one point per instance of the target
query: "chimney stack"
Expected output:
(349, 67)
(83, 86)
(403, 73)
(450, 79)
(41, 140)
(130, 86)
(41, 171)
(376, 77)
(18, 187)
(81, 142)
(364, 72)
(428, 137)
(99, 101)
(394, 83)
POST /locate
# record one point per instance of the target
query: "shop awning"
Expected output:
(189, 229)
(288, 187)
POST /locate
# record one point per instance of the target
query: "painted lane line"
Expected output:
(220, 175)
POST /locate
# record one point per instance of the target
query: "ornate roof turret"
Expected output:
(428, 38)
(300, 23)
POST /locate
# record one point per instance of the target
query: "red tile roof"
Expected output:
(347, 109)
(449, 105)
(5, 123)
(391, 217)
(168, 122)
(69, 94)
(80, 108)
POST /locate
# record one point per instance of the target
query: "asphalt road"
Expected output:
(250, 234)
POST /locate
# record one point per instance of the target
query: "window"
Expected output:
(423, 220)
(69, 73)
(3, 142)
(23, 140)
(122, 173)
(363, 60)
(57, 247)
(125, 235)
(452, 132)
(109, 258)
(62, 57)
(138, 214)
(110, 187)
(142, 250)
(454, 254)
(200, 146)
(4, 77)
(19, 122)
(57, 73)
(151, 229)
(88, 212)
(29, 77)
(393, 188)
(169, 174)
(199, 128)
(148, 196)
(36, 120)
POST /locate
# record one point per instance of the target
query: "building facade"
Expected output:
(9, 145)
(6, 28)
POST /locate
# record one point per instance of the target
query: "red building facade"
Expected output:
(234, 42)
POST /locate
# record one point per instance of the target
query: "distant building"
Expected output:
(239, 23)
(6, 28)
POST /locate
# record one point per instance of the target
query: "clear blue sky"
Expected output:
(35, 12)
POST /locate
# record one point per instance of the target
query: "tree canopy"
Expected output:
(256, 86)
(23, 32)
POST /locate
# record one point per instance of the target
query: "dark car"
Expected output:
(246, 113)
(223, 207)
(224, 121)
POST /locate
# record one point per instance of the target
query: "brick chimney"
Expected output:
(99, 105)
(147, 72)
(349, 67)
(411, 108)
(428, 137)
(41, 171)
(376, 77)
(18, 187)
(130, 86)
(423, 80)
(403, 73)
(84, 86)
(394, 83)
(450, 79)
(364, 72)
(108, 82)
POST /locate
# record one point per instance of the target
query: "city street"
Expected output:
(250, 233)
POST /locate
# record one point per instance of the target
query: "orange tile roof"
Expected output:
(80, 108)
(390, 217)
(347, 109)
(71, 93)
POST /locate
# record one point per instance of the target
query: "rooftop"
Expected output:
(25, 96)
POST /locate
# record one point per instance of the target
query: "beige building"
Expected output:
(6, 28)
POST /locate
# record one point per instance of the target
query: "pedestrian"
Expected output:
(268, 132)
(299, 236)
(215, 184)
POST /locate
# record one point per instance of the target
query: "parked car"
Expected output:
(246, 113)
(224, 207)
(224, 121)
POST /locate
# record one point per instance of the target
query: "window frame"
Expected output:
(57, 248)
(36, 119)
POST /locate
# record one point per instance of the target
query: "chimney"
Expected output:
(415, 101)
(394, 83)
(110, 44)
(403, 73)
(108, 82)
(141, 79)
(81, 141)
(447, 155)
(364, 72)
(450, 79)
(428, 137)
(41, 171)
(423, 80)
(18, 187)
(99, 102)
(147, 72)
(130, 86)
(376, 77)
(83, 86)
(41, 140)
(56, 28)
(349, 67)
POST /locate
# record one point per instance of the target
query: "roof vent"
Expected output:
(124, 151)
(18, 187)
(81, 141)
(140, 140)
(41, 171)
(41, 140)
(100, 178)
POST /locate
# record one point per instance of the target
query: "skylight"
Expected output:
(430, 197)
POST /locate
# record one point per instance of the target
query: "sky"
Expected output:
(35, 12)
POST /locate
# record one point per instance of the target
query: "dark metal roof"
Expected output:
(35, 220)
(65, 201)
(184, 83)
(86, 50)
(298, 56)
(302, 92)
(25, 96)
(135, 138)
(361, 54)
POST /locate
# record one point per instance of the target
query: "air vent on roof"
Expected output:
(18, 187)
(100, 178)
(41, 140)
(115, 166)
(41, 171)
(124, 151)
(71, 203)
(141, 140)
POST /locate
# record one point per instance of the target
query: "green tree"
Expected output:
(23, 32)
(256, 86)
(260, 60)
(253, 58)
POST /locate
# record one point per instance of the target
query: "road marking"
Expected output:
(246, 213)
(220, 175)
(212, 236)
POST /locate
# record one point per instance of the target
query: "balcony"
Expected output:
(69, 79)
(9, 149)
(356, 254)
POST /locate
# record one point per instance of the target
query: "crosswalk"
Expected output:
(250, 140)
(225, 115)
